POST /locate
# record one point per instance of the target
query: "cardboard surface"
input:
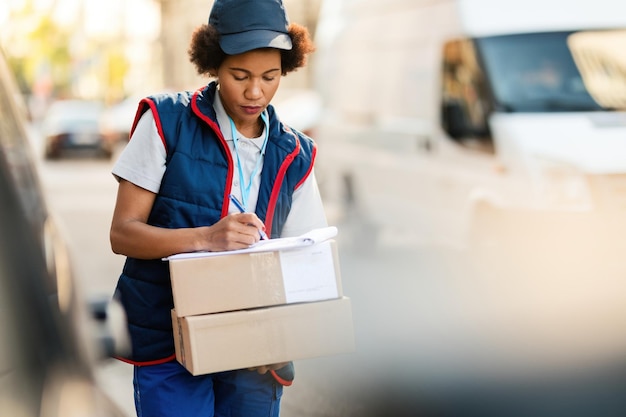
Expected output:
(241, 339)
(214, 284)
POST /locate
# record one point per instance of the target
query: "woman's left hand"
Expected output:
(265, 368)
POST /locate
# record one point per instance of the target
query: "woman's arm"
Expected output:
(131, 235)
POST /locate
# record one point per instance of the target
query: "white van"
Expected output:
(437, 109)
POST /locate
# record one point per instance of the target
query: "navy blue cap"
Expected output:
(244, 25)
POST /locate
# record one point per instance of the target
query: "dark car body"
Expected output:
(46, 357)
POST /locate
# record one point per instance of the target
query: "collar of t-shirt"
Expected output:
(224, 123)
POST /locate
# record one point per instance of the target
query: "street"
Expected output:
(479, 194)
(431, 333)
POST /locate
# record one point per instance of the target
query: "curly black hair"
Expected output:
(205, 52)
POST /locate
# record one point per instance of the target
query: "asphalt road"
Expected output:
(437, 333)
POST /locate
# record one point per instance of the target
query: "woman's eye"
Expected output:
(240, 78)
(269, 78)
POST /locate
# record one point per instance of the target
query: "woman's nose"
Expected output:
(254, 90)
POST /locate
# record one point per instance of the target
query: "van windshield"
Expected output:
(556, 71)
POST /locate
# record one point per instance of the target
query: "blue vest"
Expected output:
(194, 192)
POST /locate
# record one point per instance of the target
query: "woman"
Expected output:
(187, 154)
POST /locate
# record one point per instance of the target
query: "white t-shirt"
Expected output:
(142, 162)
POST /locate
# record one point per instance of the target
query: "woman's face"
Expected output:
(248, 83)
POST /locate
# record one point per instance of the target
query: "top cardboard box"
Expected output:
(228, 282)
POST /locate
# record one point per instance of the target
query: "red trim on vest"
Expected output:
(140, 111)
(280, 380)
(271, 207)
(147, 363)
(157, 120)
(313, 155)
(218, 132)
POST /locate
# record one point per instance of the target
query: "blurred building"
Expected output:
(178, 24)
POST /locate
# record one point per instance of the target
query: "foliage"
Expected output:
(52, 60)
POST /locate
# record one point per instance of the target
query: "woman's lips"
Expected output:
(251, 109)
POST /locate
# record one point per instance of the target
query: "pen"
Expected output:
(242, 210)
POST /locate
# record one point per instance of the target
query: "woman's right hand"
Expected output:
(235, 231)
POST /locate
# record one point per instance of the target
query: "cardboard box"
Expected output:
(241, 339)
(240, 281)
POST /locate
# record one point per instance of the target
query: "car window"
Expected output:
(17, 150)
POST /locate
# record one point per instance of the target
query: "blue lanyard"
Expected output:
(245, 189)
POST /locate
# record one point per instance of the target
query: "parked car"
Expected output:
(116, 122)
(73, 125)
(47, 335)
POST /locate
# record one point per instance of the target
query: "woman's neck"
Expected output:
(251, 130)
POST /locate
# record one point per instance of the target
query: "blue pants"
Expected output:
(169, 390)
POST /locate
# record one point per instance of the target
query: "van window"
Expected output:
(465, 99)
(536, 72)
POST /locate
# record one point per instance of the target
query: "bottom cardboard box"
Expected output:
(241, 339)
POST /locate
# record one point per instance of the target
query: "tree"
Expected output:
(38, 52)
